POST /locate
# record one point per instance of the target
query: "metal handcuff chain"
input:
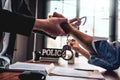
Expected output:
(64, 50)
(83, 18)
(68, 47)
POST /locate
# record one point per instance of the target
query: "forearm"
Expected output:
(40, 24)
(84, 39)
(84, 52)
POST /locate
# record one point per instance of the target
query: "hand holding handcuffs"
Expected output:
(67, 48)
(67, 53)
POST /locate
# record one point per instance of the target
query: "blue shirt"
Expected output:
(108, 54)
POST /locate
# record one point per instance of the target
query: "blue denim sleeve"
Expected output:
(107, 55)
(101, 63)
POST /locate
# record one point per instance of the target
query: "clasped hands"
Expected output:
(67, 26)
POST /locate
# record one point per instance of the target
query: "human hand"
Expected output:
(51, 26)
(67, 27)
(54, 24)
(76, 22)
(74, 44)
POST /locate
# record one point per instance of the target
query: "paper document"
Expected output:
(27, 66)
(70, 72)
(62, 72)
(65, 78)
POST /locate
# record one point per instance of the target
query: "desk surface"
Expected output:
(80, 62)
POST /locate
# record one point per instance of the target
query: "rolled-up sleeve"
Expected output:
(101, 63)
(107, 55)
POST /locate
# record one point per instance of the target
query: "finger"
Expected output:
(73, 40)
(50, 16)
(70, 42)
(62, 20)
(75, 26)
(77, 23)
(55, 14)
(74, 19)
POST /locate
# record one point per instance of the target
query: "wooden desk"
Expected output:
(109, 75)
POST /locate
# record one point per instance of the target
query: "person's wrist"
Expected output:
(71, 30)
(39, 24)
(36, 24)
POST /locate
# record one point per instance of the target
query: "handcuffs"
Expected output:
(67, 48)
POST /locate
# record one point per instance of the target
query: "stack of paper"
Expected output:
(70, 72)
(27, 66)
(62, 72)
(66, 78)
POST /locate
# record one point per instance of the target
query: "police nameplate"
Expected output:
(51, 52)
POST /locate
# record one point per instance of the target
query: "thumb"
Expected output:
(63, 20)
(55, 14)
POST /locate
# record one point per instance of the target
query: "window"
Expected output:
(118, 20)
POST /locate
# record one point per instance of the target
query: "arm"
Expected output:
(75, 46)
(23, 24)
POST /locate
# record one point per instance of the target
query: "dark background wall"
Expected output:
(24, 45)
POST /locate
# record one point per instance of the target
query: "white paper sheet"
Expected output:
(27, 66)
(70, 72)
